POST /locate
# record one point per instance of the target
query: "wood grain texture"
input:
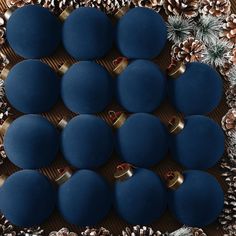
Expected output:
(113, 222)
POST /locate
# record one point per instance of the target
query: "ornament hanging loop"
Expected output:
(3, 178)
(4, 127)
(121, 11)
(66, 13)
(5, 71)
(117, 118)
(174, 179)
(124, 172)
(9, 12)
(176, 69)
(175, 125)
(63, 122)
(120, 64)
(64, 175)
(64, 68)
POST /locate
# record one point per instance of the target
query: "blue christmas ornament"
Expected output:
(197, 142)
(87, 142)
(195, 198)
(140, 140)
(194, 89)
(31, 142)
(86, 88)
(140, 196)
(140, 87)
(32, 87)
(87, 34)
(141, 33)
(27, 198)
(33, 31)
(84, 199)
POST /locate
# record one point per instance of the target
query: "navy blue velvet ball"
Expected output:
(87, 34)
(33, 31)
(142, 140)
(141, 33)
(198, 201)
(141, 86)
(141, 199)
(27, 198)
(197, 91)
(200, 145)
(87, 142)
(31, 142)
(86, 88)
(85, 199)
(32, 87)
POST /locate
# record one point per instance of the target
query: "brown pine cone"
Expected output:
(229, 29)
(153, 4)
(198, 232)
(96, 232)
(215, 7)
(2, 28)
(63, 232)
(189, 50)
(3, 62)
(229, 121)
(19, 3)
(231, 96)
(140, 231)
(187, 8)
(225, 69)
(112, 6)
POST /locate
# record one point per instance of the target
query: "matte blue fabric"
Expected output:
(33, 31)
(86, 88)
(85, 199)
(198, 201)
(32, 87)
(141, 87)
(87, 142)
(141, 33)
(198, 91)
(87, 34)
(142, 140)
(27, 198)
(31, 142)
(200, 145)
(140, 199)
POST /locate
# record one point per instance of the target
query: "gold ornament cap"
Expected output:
(66, 13)
(120, 12)
(63, 122)
(3, 178)
(64, 175)
(174, 179)
(176, 69)
(120, 64)
(124, 172)
(4, 127)
(5, 71)
(64, 68)
(9, 12)
(117, 118)
(175, 125)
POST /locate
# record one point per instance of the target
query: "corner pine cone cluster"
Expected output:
(189, 50)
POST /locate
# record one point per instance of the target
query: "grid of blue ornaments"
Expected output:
(27, 197)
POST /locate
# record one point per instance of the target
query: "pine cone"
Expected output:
(37, 231)
(63, 232)
(153, 4)
(229, 29)
(215, 7)
(225, 69)
(140, 231)
(231, 96)
(187, 8)
(2, 28)
(229, 121)
(6, 229)
(189, 50)
(96, 232)
(3, 156)
(3, 61)
(198, 232)
(19, 3)
(112, 6)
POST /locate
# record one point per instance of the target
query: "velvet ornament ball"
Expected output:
(141, 140)
(199, 145)
(31, 142)
(87, 142)
(87, 34)
(140, 198)
(197, 91)
(141, 86)
(33, 31)
(32, 87)
(198, 201)
(84, 199)
(27, 198)
(141, 33)
(86, 87)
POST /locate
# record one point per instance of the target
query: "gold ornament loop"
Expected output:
(175, 70)
(4, 127)
(175, 125)
(66, 13)
(64, 175)
(117, 118)
(63, 122)
(120, 64)
(3, 178)
(64, 68)
(9, 12)
(5, 71)
(121, 11)
(124, 172)
(174, 179)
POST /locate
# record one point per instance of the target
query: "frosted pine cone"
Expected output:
(198, 232)
(229, 29)
(229, 121)
(63, 232)
(138, 231)
(112, 6)
(215, 7)
(189, 50)
(231, 96)
(6, 229)
(187, 8)
(19, 3)
(96, 232)
(2, 28)
(225, 70)
(153, 4)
